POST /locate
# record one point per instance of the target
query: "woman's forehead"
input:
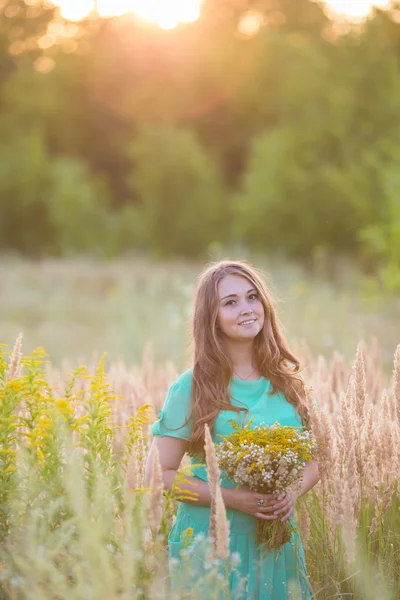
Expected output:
(234, 284)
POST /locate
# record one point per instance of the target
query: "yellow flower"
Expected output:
(10, 468)
(64, 407)
(187, 536)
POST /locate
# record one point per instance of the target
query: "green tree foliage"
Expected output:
(48, 205)
(178, 192)
(314, 178)
(77, 210)
(25, 183)
(381, 240)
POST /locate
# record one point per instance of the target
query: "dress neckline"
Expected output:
(246, 381)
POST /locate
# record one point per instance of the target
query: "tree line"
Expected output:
(119, 136)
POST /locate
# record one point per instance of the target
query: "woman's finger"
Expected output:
(271, 507)
(266, 509)
(267, 503)
(288, 505)
(287, 515)
(268, 498)
(265, 517)
(281, 503)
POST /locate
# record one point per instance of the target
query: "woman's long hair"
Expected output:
(212, 366)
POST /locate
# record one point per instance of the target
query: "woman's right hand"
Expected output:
(246, 501)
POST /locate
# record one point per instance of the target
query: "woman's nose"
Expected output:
(246, 310)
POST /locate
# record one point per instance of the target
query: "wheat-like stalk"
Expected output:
(304, 524)
(219, 525)
(222, 527)
(15, 360)
(213, 479)
(360, 382)
(156, 492)
(396, 381)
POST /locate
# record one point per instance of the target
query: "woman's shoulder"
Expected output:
(183, 383)
(174, 417)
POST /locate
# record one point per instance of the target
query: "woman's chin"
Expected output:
(248, 335)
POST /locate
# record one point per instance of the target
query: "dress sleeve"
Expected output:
(175, 417)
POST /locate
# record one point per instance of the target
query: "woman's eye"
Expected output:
(229, 303)
(253, 296)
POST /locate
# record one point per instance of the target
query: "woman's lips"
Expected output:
(248, 323)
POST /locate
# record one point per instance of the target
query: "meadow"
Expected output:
(80, 309)
(75, 517)
(76, 520)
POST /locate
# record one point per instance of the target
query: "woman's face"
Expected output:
(241, 312)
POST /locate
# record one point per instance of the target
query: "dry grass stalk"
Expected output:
(141, 458)
(132, 475)
(347, 520)
(396, 381)
(222, 527)
(156, 493)
(136, 466)
(15, 360)
(304, 524)
(359, 382)
(381, 507)
(346, 423)
(352, 473)
(213, 479)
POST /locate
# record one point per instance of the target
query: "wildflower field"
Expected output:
(77, 522)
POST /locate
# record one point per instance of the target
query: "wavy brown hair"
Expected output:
(213, 367)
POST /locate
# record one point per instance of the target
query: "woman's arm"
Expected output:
(171, 451)
(310, 477)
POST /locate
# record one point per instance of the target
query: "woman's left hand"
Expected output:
(285, 506)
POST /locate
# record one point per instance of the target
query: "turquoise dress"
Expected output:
(268, 578)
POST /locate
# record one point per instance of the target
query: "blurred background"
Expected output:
(141, 138)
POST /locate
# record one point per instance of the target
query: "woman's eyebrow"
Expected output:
(235, 295)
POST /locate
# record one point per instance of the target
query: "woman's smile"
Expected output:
(248, 323)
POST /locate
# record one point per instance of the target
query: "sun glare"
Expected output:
(169, 13)
(355, 9)
(75, 11)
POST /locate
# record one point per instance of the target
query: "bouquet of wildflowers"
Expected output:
(268, 460)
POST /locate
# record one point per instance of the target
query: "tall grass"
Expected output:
(82, 308)
(77, 522)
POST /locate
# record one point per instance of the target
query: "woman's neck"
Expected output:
(242, 358)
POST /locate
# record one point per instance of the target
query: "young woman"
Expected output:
(242, 369)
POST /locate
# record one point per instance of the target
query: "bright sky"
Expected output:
(169, 13)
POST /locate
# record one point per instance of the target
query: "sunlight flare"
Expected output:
(75, 10)
(167, 14)
(356, 9)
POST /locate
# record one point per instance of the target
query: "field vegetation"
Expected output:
(80, 309)
(76, 520)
